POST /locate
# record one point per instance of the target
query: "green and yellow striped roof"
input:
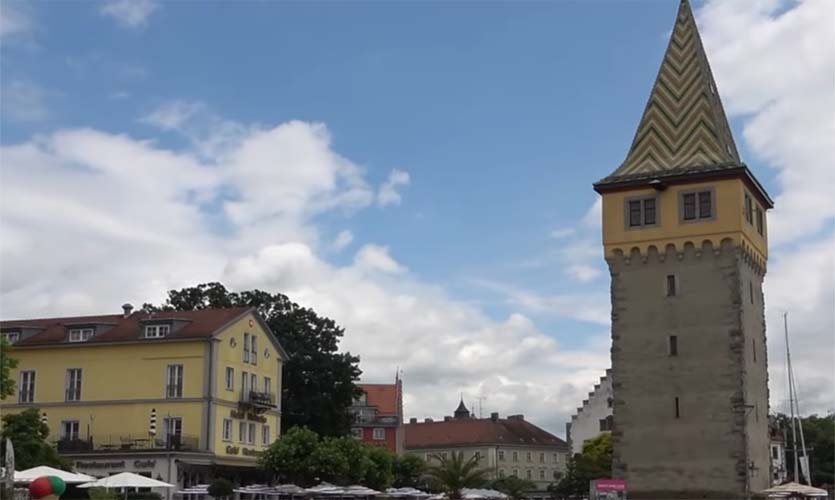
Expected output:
(684, 128)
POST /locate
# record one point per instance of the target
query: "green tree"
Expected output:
(595, 462)
(453, 474)
(819, 434)
(319, 382)
(380, 473)
(28, 435)
(7, 363)
(221, 488)
(291, 457)
(514, 487)
(408, 470)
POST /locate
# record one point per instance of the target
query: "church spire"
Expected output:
(462, 411)
(684, 128)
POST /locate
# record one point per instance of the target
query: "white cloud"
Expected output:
(388, 194)
(132, 14)
(561, 233)
(14, 21)
(24, 101)
(343, 239)
(146, 217)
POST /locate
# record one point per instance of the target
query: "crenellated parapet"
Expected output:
(681, 249)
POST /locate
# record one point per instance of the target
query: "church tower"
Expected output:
(685, 238)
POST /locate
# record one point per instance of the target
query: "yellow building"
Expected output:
(178, 396)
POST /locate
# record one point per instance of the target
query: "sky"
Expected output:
(418, 171)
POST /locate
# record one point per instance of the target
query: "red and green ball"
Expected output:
(45, 486)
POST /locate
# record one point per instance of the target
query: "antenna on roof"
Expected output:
(480, 400)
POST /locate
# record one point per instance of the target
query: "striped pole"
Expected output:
(152, 427)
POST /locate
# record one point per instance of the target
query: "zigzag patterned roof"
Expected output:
(684, 127)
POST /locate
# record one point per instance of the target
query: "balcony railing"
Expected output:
(258, 399)
(121, 443)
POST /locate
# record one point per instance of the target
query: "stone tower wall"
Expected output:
(706, 451)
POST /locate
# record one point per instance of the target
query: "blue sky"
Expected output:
(500, 116)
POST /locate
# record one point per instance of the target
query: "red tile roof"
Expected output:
(472, 431)
(383, 396)
(195, 324)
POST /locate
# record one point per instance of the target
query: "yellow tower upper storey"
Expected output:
(682, 180)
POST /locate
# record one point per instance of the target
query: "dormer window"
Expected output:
(80, 334)
(156, 331)
(11, 337)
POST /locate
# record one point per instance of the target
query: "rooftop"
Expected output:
(514, 430)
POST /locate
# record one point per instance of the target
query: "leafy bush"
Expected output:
(221, 488)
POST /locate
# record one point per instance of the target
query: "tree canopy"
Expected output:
(408, 470)
(819, 434)
(7, 363)
(514, 487)
(302, 457)
(595, 462)
(28, 435)
(319, 382)
(453, 474)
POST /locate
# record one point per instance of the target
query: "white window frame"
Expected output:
(253, 382)
(268, 385)
(246, 348)
(80, 334)
(26, 385)
(253, 349)
(528, 474)
(174, 377)
(541, 474)
(230, 378)
(75, 434)
(357, 433)
(378, 434)
(252, 431)
(156, 331)
(243, 430)
(228, 431)
(500, 455)
(265, 435)
(72, 384)
(11, 337)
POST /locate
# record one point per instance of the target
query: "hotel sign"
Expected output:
(116, 464)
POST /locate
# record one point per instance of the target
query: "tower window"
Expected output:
(672, 290)
(749, 209)
(697, 205)
(678, 413)
(754, 349)
(759, 214)
(673, 341)
(751, 291)
(641, 212)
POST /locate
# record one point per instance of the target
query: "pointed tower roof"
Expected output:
(683, 129)
(462, 411)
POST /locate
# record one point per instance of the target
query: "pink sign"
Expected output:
(610, 484)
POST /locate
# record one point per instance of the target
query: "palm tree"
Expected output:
(454, 474)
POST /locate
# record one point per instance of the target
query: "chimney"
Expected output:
(494, 416)
(413, 420)
(516, 417)
(447, 418)
(427, 420)
(127, 308)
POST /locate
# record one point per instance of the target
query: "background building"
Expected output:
(777, 447)
(509, 446)
(685, 238)
(178, 396)
(378, 415)
(593, 418)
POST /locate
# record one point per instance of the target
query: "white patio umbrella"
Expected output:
(794, 489)
(29, 475)
(126, 480)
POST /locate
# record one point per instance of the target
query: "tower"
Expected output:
(684, 234)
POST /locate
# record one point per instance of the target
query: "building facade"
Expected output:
(378, 415)
(685, 239)
(177, 396)
(509, 446)
(593, 418)
(777, 446)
